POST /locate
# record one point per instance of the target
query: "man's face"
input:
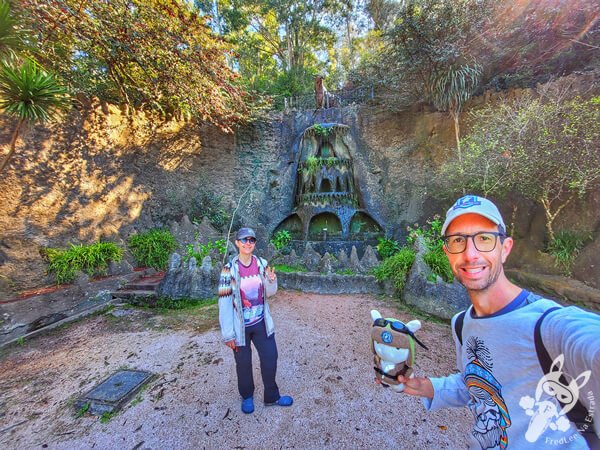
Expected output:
(476, 270)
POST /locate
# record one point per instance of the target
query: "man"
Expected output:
(515, 403)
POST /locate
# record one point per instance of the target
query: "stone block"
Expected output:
(310, 258)
(437, 298)
(369, 259)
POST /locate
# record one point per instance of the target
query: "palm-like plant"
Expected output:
(30, 94)
(12, 36)
(451, 89)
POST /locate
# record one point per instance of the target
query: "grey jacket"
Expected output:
(231, 316)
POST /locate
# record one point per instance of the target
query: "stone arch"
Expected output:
(324, 226)
(363, 224)
(293, 224)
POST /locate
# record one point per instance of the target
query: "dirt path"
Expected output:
(324, 363)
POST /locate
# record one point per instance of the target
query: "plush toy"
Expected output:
(393, 344)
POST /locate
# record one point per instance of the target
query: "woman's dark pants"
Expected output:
(267, 353)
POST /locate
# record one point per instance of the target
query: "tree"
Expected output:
(12, 39)
(280, 44)
(544, 148)
(30, 94)
(451, 89)
(154, 54)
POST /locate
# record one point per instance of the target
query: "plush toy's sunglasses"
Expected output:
(398, 326)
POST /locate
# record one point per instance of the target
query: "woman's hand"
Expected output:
(271, 274)
(231, 345)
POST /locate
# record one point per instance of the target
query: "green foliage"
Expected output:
(12, 36)
(396, 268)
(30, 93)
(431, 232)
(155, 55)
(289, 269)
(345, 272)
(543, 148)
(81, 411)
(281, 239)
(312, 164)
(387, 247)
(565, 247)
(20, 341)
(107, 416)
(152, 248)
(92, 259)
(320, 130)
(168, 303)
(206, 203)
(437, 260)
(201, 251)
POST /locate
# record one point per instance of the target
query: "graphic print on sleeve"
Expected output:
(486, 404)
(251, 290)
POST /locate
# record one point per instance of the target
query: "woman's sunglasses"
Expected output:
(397, 326)
(248, 240)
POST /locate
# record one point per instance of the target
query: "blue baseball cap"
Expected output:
(473, 204)
(244, 233)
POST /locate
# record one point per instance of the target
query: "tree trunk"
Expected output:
(13, 141)
(456, 116)
(550, 216)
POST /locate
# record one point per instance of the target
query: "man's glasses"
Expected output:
(248, 240)
(397, 326)
(484, 241)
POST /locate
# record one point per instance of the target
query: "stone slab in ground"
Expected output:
(114, 392)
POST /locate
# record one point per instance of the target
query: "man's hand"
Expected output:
(419, 386)
(231, 345)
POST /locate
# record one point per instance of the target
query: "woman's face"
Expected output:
(246, 246)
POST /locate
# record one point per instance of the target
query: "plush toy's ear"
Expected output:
(414, 325)
(375, 314)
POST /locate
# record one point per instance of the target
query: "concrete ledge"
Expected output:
(18, 334)
(560, 288)
(331, 283)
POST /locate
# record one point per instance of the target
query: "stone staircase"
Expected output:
(144, 287)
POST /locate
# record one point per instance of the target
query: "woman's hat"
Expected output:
(244, 233)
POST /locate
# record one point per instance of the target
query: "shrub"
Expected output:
(204, 249)
(565, 247)
(345, 272)
(281, 239)
(396, 268)
(435, 258)
(152, 248)
(387, 247)
(92, 259)
(438, 262)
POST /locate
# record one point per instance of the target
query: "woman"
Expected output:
(244, 316)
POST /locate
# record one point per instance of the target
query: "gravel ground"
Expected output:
(325, 363)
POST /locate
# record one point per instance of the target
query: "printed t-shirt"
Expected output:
(251, 289)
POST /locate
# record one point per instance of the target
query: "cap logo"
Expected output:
(467, 202)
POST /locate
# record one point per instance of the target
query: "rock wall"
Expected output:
(101, 174)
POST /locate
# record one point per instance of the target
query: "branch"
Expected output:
(233, 217)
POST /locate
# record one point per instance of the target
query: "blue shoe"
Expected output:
(284, 400)
(248, 405)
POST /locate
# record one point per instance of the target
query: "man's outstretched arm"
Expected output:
(444, 392)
